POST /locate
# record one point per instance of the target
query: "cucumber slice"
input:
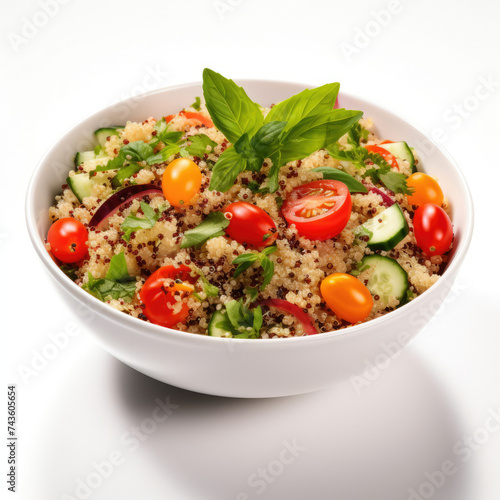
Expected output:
(402, 151)
(213, 331)
(84, 156)
(81, 185)
(103, 133)
(386, 229)
(387, 279)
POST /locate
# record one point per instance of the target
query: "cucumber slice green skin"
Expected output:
(387, 234)
(81, 185)
(414, 166)
(402, 151)
(388, 278)
(84, 156)
(103, 133)
(213, 331)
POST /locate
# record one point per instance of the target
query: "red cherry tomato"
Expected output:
(68, 240)
(250, 224)
(388, 157)
(193, 116)
(158, 295)
(319, 209)
(433, 229)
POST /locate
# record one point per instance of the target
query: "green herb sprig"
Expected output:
(247, 260)
(292, 130)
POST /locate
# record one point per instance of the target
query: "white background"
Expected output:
(425, 61)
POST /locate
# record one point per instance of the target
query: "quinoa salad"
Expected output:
(231, 219)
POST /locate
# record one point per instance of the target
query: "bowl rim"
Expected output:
(162, 333)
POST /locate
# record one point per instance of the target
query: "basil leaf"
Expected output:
(339, 175)
(240, 321)
(257, 319)
(316, 132)
(209, 289)
(199, 144)
(252, 293)
(229, 165)
(137, 151)
(272, 184)
(231, 110)
(211, 227)
(244, 148)
(244, 261)
(116, 284)
(269, 250)
(118, 269)
(237, 316)
(196, 104)
(268, 268)
(267, 139)
(307, 103)
(244, 323)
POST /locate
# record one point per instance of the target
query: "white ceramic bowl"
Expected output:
(235, 367)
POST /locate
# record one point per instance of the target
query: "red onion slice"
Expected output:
(386, 199)
(287, 307)
(115, 201)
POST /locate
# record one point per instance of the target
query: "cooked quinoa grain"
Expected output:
(300, 264)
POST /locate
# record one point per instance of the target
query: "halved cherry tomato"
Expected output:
(68, 240)
(388, 157)
(250, 224)
(181, 181)
(387, 142)
(319, 209)
(433, 229)
(347, 297)
(160, 291)
(426, 190)
(190, 115)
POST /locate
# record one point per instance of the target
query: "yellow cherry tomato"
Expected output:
(426, 190)
(181, 181)
(347, 297)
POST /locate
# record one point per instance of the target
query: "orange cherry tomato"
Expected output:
(190, 115)
(386, 155)
(181, 181)
(347, 297)
(160, 291)
(426, 190)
